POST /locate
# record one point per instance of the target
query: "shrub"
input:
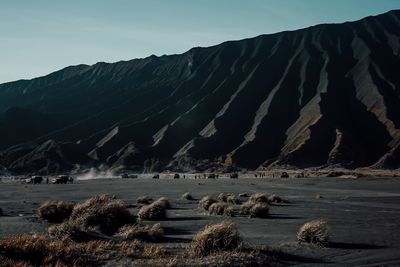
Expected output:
(68, 230)
(102, 213)
(143, 233)
(220, 208)
(27, 248)
(154, 251)
(163, 202)
(38, 250)
(222, 197)
(55, 211)
(206, 202)
(145, 200)
(152, 212)
(276, 199)
(217, 208)
(229, 212)
(258, 198)
(132, 248)
(232, 199)
(12, 263)
(215, 238)
(187, 196)
(259, 210)
(315, 232)
(245, 208)
(243, 195)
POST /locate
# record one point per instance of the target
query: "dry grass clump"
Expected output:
(229, 198)
(144, 200)
(38, 250)
(26, 248)
(243, 195)
(55, 211)
(315, 232)
(217, 208)
(153, 212)
(258, 198)
(69, 230)
(206, 202)
(232, 199)
(132, 248)
(215, 238)
(222, 197)
(259, 210)
(163, 202)
(5, 262)
(245, 208)
(229, 212)
(156, 210)
(102, 213)
(220, 208)
(254, 210)
(143, 233)
(187, 196)
(154, 251)
(276, 199)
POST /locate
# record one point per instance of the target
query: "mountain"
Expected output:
(321, 96)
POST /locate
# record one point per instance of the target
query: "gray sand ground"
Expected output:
(364, 214)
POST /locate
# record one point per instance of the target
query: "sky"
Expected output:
(41, 36)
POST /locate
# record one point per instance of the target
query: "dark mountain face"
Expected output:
(328, 94)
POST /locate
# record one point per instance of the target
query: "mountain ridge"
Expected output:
(326, 94)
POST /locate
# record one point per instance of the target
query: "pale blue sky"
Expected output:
(41, 36)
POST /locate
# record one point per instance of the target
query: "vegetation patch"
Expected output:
(144, 200)
(101, 213)
(154, 251)
(259, 198)
(223, 197)
(206, 202)
(55, 211)
(232, 199)
(143, 233)
(39, 250)
(243, 194)
(259, 210)
(315, 232)
(245, 208)
(153, 212)
(220, 208)
(276, 199)
(215, 238)
(187, 196)
(163, 202)
(254, 209)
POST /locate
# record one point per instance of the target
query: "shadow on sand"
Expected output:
(174, 231)
(170, 239)
(283, 217)
(290, 259)
(342, 245)
(192, 218)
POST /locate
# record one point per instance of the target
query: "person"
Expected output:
(47, 180)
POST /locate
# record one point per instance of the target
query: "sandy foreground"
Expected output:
(363, 213)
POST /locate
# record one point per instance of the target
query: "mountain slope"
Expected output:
(324, 95)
